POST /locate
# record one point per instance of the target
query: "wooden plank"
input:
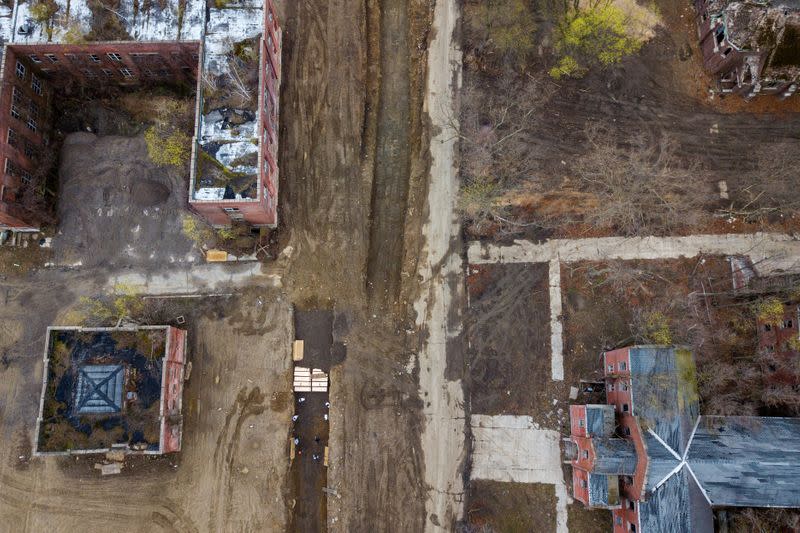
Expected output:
(216, 256)
(297, 350)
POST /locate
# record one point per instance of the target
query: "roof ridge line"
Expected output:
(664, 444)
(691, 438)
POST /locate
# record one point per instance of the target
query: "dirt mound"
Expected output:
(147, 193)
(112, 197)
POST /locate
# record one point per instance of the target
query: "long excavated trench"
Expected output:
(354, 149)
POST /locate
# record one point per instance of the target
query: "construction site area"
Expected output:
(386, 242)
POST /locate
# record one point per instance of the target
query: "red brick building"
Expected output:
(112, 389)
(750, 47)
(650, 458)
(167, 46)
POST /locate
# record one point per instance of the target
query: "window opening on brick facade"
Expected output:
(94, 57)
(108, 73)
(114, 56)
(128, 73)
(12, 138)
(15, 111)
(52, 57)
(36, 84)
(20, 70)
(35, 58)
(31, 124)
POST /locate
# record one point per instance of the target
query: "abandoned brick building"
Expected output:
(751, 47)
(112, 389)
(658, 465)
(233, 169)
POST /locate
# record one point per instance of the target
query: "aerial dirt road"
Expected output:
(354, 167)
(441, 300)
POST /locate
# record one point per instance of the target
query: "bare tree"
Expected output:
(641, 186)
(770, 186)
(495, 143)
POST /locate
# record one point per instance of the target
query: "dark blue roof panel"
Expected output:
(748, 461)
(664, 392)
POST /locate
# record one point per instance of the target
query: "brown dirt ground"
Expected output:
(508, 338)
(512, 507)
(230, 475)
(117, 208)
(659, 91)
(354, 167)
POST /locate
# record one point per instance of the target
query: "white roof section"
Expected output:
(227, 26)
(238, 21)
(6, 24)
(74, 19)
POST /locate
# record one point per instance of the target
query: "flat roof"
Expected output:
(75, 20)
(103, 389)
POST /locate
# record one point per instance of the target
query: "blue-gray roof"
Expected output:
(614, 456)
(600, 420)
(748, 461)
(99, 389)
(664, 392)
(598, 490)
(660, 462)
(676, 507)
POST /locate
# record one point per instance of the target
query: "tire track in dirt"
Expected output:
(93, 500)
(247, 404)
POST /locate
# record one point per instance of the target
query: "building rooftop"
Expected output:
(99, 389)
(664, 394)
(228, 129)
(747, 461)
(107, 388)
(691, 463)
(75, 21)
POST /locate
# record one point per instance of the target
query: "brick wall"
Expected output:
(31, 73)
(262, 211)
(172, 391)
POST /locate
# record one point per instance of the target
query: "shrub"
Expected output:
(657, 326)
(598, 34)
(770, 311)
(478, 196)
(196, 230)
(167, 148)
(43, 11)
(508, 25)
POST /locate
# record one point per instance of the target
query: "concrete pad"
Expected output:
(514, 449)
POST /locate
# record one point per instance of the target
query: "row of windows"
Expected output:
(14, 170)
(786, 324)
(29, 149)
(126, 72)
(98, 58)
(36, 83)
(622, 365)
(18, 102)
